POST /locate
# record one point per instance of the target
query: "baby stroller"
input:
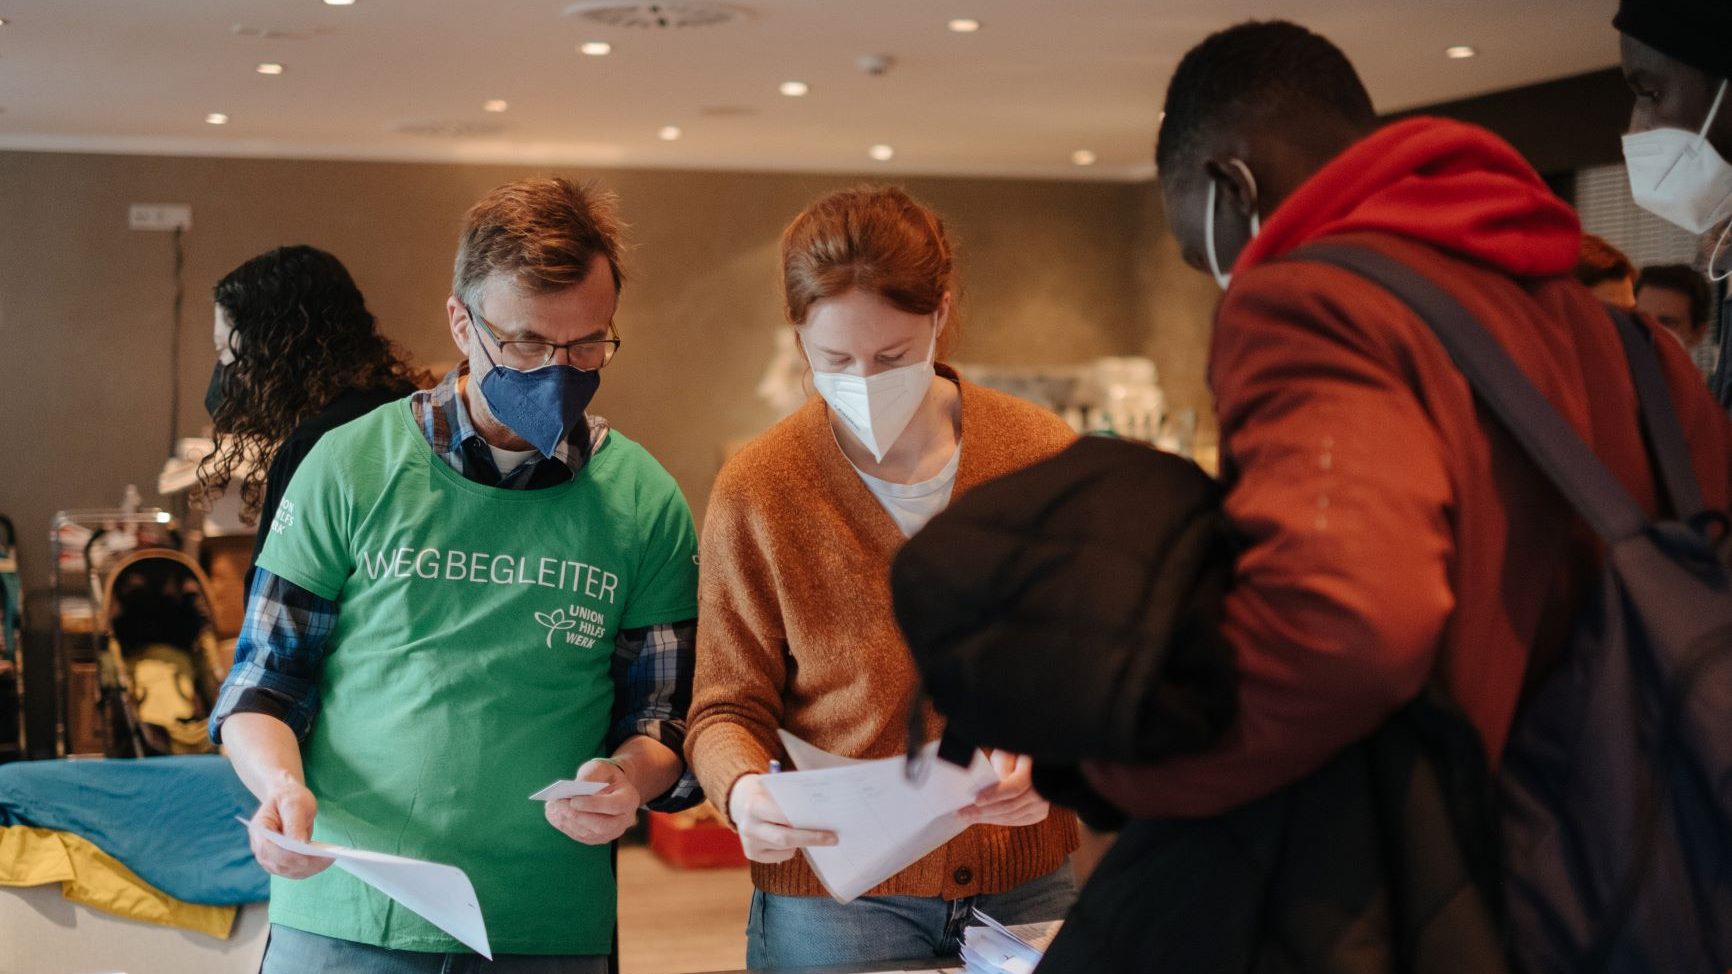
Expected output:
(156, 646)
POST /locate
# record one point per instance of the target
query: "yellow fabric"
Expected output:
(35, 857)
(165, 683)
(165, 686)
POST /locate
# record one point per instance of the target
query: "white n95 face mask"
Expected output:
(878, 408)
(1676, 175)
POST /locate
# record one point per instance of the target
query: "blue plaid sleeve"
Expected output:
(278, 656)
(652, 674)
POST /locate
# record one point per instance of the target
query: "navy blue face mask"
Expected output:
(541, 405)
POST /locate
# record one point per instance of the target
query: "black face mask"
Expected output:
(213, 393)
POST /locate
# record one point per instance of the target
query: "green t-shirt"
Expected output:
(469, 667)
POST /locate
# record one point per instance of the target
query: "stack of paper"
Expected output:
(883, 822)
(997, 949)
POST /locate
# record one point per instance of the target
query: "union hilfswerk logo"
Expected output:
(285, 518)
(589, 625)
(555, 621)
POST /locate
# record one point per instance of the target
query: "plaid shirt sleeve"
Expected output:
(278, 656)
(652, 675)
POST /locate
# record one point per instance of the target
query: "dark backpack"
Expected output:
(1616, 788)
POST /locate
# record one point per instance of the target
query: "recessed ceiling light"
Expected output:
(964, 25)
(4, 21)
(216, 118)
(1083, 157)
(339, 3)
(669, 133)
(1460, 52)
(495, 105)
(794, 89)
(270, 68)
(882, 153)
(596, 48)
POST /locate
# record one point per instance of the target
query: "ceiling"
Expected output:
(1038, 81)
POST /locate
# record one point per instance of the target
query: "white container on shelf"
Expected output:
(1128, 396)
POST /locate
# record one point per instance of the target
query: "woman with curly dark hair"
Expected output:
(298, 355)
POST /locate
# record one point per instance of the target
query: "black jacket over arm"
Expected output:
(1069, 611)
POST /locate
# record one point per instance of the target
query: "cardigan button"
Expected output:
(963, 876)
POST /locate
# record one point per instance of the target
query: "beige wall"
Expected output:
(1177, 305)
(1050, 271)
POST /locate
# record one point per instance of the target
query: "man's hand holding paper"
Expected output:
(599, 818)
(288, 809)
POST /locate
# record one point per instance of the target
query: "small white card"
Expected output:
(571, 788)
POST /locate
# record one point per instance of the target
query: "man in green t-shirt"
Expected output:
(464, 596)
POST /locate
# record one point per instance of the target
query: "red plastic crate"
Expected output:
(700, 845)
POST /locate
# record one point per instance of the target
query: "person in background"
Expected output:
(298, 355)
(1393, 534)
(1677, 297)
(796, 628)
(1677, 59)
(466, 595)
(1604, 270)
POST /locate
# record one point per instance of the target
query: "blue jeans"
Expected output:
(298, 952)
(807, 931)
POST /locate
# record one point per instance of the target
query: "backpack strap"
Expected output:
(1660, 418)
(1722, 381)
(1547, 438)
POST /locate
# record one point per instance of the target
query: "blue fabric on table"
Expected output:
(171, 820)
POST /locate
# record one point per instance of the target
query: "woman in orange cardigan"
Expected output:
(795, 626)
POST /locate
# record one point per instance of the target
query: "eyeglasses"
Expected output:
(525, 354)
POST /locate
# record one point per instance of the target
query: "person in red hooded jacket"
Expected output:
(1395, 533)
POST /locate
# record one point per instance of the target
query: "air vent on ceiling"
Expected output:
(444, 128)
(279, 33)
(657, 16)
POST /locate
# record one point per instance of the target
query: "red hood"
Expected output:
(1456, 187)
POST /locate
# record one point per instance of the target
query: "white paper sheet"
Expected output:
(567, 788)
(883, 822)
(442, 895)
(809, 758)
